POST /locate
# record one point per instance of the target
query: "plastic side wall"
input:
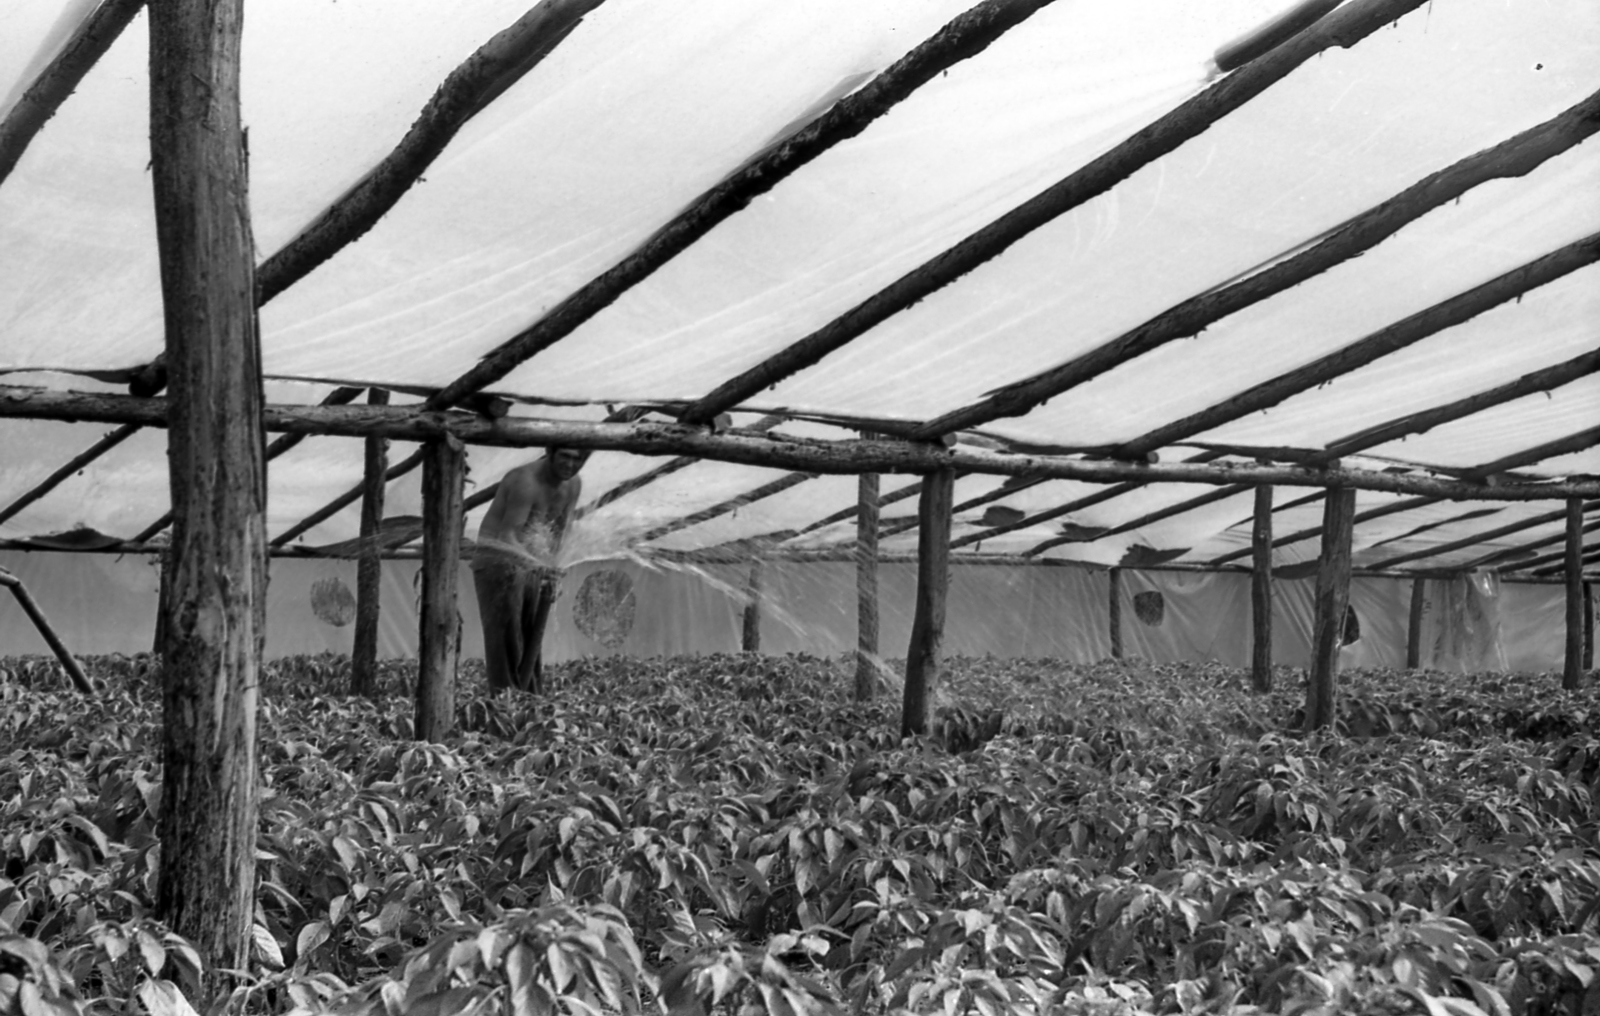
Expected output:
(103, 603)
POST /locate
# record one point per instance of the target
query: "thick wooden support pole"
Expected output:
(750, 631)
(924, 657)
(205, 890)
(1261, 592)
(1572, 671)
(1114, 602)
(444, 470)
(1332, 598)
(1419, 603)
(75, 673)
(867, 505)
(369, 565)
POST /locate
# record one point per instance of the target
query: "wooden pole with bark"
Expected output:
(1572, 670)
(644, 437)
(1419, 603)
(68, 662)
(867, 515)
(924, 656)
(1588, 626)
(205, 889)
(1332, 598)
(369, 565)
(444, 471)
(1261, 592)
(750, 630)
(1114, 604)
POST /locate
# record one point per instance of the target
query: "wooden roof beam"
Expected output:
(1512, 285)
(1588, 557)
(899, 526)
(279, 445)
(60, 77)
(965, 36)
(482, 77)
(1418, 423)
(762, 492)
(1513, 559)
(76, 463)
(1181, 508)
(1344, 27)
(1582, 440)
(1315, 531)
(1513, 157)
(1477, 538)
(1051, 514)
(346, 499)
(1548, 379)
(479, 80)
(414, 423)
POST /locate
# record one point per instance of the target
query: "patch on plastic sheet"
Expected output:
(1150, 607)
(1352, 627)
(333, 602)
(605, 607)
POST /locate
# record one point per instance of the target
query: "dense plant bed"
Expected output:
(732, 834)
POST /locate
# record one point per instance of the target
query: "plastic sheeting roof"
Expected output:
(646, 105)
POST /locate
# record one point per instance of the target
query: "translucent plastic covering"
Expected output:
(646, 105)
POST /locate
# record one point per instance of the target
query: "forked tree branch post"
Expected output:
(369, 565)
(1572, 669)
(1261, 592)
(925, 655)
(205, 890)
(867, 491)
(1332, 597)
(444, 472)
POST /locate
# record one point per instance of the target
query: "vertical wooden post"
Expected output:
(1332, 597)
(750, 640)
(1114, 602)
(1261, 592)
(1419, 601)
(1588, 626)
(1572, 672)
(924, 657)
(443, 473)
(205, 890)
(369, 563)
(866, 587)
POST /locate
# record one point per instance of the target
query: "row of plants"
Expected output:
(733, 834)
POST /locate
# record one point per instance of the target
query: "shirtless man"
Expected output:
(528, 518)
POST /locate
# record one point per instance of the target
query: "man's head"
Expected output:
(565, 462)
